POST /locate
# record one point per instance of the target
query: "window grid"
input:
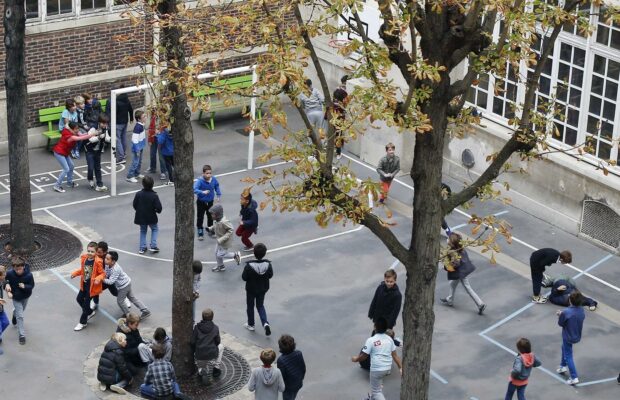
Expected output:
(607, 35)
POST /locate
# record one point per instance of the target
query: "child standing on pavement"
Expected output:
(197, 270)
(115, 276)
(138, 142)
(82, 124)
(166, 146)
(147, 205)
(4, 320)
(92, 275)
(205, 188)
(571, 321)
(266, 381)
(223, 230)
(389, 165)
(387, 300)
(256, 275)
(521, 369)
(19, 285)
(94, 147)
(248, 220)
(155, 153)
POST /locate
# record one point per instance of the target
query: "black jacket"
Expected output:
(293, 369)
(256, 275)
(91, 113)
(133, 340)
(124, 110)
(112, 361)
(386, 303)
(147, 206)
(249, 216)
(205, 339)
(540, 259)
(14, 280)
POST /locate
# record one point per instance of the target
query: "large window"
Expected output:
(602, 108)
(608, 35)
(32, 9)
(58, 7)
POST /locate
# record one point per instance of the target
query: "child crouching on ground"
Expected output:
(112, 371)
(160, 380)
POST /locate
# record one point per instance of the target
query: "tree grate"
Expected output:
(601, 223)
(54, 247)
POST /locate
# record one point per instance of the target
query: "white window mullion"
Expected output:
(43, 10)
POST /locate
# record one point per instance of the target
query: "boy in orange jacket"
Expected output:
(91, 283)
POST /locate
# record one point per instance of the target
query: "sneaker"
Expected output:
(267, 329)
(338, 156)
(163, 177)
(216, 372)
(140, 176)
(79, 327)
(481, 309)
(561, 370)
(93, 305)
(102, 387)
(618, 380)
(132, 180)
(117, 389)
(539, 299)
(446, 302)
(249, 327)
(201, 234)
(101, 188)
(22, 340)
(92, 314)
(141, 251)
(91, 184)
(150, 171)
(594, 306)
(59, 189)
(155, 249)
(127, 303)
(121, 161)
(572, 381)
(246, 248)
(145, 315)
(169, 183)
(237, 257)
(219, 268)
(381, 201)
(73, 185)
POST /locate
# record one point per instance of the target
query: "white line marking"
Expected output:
(595, 382)
(394, 264)
(438, 377)
(274, 164)
(232, 172)
(363, 164)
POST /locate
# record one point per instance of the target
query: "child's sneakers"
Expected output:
(201, 234)
(79, 327)
(250, 248)
(59, 189)
(219, 268)
(267, 329)
(91, 183)
(132, 180)
(561, 370)
(539, 299)
(145, 315)
(142, 251)
(93, 305)
(102, 387)
(155, 249)
(101, 188)
(127, 302)
(216, 372)
(163, 177)
(249, 327)
(92, 314)
(237, 257)
(117, 389)
(572, 381)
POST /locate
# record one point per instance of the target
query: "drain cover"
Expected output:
(55, 247)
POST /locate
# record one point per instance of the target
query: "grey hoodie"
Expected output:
(266, 382)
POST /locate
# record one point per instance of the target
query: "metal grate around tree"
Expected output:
(601, 223)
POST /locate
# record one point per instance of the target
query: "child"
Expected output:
(390, 332)
(137, 352)
(292, 366)
(571, 321)
(92, 275)
(138, 142)
(166, 146)
(147, 205)
(62, 149)
(197, 270)
(339, 112)
(92, 110)
(223, 230)
(115, 276)
(69, 114)
(313, 106)
(389, 165)
(102, 251)
(205, 188)
(163, 340)
(112, 371)
(521, 369)
(248, 219)
(206, 344)
(4, 320)
(256, 275)
(19, 285)
(266, 381)
(160, 380)
(94, 147)
(83, 126)
(387, 300)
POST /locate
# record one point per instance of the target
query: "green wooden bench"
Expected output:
(217, 104)
(51, 116)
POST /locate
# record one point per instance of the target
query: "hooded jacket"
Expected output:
(256, 275)
(522, 367)
(249, 216)
(293, 369)
(97, 274)
(124, 110)
(386, 303)
(266, 382)
(112, 361)
(222, 227)
(133, 341)
(205, 339)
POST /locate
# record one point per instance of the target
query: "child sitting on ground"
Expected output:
(163, 340)
(112, 371)
(160, 380)
(137, 351)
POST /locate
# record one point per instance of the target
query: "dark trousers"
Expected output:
(289, 394)
(245, 234)
(511, 391)
(93, 159)
(112, 288)
(83, 299)
(537, 277)
(169, 160)
(202, 208)
(262, 313)
(155, 154)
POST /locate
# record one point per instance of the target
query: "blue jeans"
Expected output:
(19, 308)
(154, 231)
(121, 133)
(567, 358)
(4, 322)
(260, 299)
(147, 390)
(136, 164)
(154, 155)
(66, 163)
(511, 391)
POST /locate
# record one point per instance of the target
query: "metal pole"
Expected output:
(252, 118)
(113, 143)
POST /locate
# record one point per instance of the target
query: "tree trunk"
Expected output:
(418, 314)
(15, 83)
(182, 323)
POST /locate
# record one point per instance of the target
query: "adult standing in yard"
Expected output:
(147, 206)
(539, 260)
(124, 114)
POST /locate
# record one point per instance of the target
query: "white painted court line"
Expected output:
(438, 377)
(465, 224)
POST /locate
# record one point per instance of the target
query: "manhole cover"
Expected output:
(55, 247)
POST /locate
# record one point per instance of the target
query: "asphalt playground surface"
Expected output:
(323, 282)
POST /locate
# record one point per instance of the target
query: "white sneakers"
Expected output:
(93, 305)
(79, 327)
(249, 327)
(127, 303)
(561, 370)
(92, 314)
(101, 188)
(572, 381)
(117, 389)
(132, 180)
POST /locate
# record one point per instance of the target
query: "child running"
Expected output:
(223, 230)
(114, 275)
(248, 220)
(92, 275)
(389, 165)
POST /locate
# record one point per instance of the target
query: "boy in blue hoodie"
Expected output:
(521, 369)
(138, 142)
(166, 147)
(206, 188)
(248, 220)
(571, 321)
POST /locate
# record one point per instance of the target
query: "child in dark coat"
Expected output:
(292, 366)
(207, 344)
(112, 371)
(248, 220)
(256, 275)
(387, 300)
(521, 369)
(147, 205)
